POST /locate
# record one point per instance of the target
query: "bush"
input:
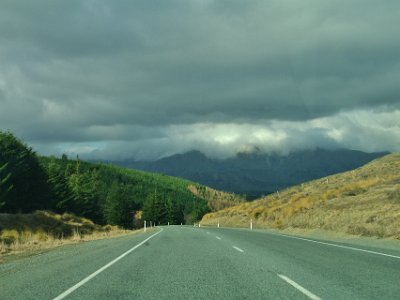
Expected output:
(9, 237)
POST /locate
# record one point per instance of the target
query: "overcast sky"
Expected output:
(146, 79)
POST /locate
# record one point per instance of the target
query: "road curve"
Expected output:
(182, 262)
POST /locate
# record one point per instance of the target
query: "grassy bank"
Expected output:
(363, 202)
(26, 233)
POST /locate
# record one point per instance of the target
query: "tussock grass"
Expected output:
(216, 200)
(364, 202)
(20, 233)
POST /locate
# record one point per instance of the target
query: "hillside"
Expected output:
(256, 173)
(105, 194)
(365, 201)
(161, 198)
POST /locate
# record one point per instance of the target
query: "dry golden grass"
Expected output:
(25, 233)
(217, 200)
(365, 202)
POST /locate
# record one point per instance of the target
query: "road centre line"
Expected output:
(218, 238)
(299, 287)
(338, 246)
(85, 280)
(238, 249)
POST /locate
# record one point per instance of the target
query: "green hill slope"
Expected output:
(365, 201)
(118, 192)
(102, 193)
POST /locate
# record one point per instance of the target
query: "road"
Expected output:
(180, 262)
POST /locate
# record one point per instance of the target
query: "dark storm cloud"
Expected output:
(131, 71)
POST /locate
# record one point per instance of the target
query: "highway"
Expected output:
(182, 262)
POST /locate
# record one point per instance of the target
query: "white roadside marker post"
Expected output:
(144, 225)
(251, 224)
(168, 223)
(218, 224)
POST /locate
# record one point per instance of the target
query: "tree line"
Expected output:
(103, 193)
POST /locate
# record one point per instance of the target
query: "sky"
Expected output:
(147, 79)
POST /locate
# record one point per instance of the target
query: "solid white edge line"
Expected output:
(336, 245)
(237, 248)
(83, 281)
(299, 287)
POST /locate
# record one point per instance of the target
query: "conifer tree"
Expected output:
(29, 180)
(5, 186)
(62, 193)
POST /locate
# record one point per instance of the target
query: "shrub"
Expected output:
(9, 237)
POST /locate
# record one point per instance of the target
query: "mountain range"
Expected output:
(255, 173)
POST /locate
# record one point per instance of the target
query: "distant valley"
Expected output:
(255, 174)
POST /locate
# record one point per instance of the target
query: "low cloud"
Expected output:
(359, 130)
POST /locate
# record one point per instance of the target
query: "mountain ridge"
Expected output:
(255, 173)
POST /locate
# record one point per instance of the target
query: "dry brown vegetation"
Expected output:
(216, 200)
(365, 202)
(21, 233)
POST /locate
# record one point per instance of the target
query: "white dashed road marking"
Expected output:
(238, 249)
(299, 287)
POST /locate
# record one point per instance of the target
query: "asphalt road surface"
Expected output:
(180, 262)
